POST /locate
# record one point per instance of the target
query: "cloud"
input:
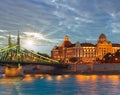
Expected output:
(116, 27)
(1, 30)
(38, 38)
(91, 39)
(2, 37)
(48, 21)
(35, 35)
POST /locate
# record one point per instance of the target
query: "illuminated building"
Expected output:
(83, 52)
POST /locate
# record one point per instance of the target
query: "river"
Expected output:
(39, 84)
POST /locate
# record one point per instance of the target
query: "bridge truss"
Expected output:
(15, 54)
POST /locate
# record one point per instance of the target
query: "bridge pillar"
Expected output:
(13, 71)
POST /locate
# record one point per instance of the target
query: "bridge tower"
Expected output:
(13, 71)
(9, 46)
(9, 40)
(18, 50)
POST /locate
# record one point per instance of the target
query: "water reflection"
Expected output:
(40, 84)
(59, 77)
(66, 76)
(84, 78)
(9, 81)
(99, 84)
(49, 78)
(28, 78)
(10, 85)
(38, 75)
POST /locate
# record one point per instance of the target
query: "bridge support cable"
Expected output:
(23, 55)
(8, 48)
(43, 57)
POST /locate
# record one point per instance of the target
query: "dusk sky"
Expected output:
(44, 23)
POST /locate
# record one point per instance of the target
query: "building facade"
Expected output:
(83, 52)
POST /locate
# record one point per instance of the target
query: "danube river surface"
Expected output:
(61, 85)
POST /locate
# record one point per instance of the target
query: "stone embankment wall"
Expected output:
(95, 67)
(38, 69)
(79, 67)
(72, 68)
(2, 69)
(106, 67)
(45, 68)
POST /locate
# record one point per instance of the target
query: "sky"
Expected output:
(43, 24)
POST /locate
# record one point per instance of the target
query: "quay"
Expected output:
(110, 68)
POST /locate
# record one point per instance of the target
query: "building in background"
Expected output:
(83, 52)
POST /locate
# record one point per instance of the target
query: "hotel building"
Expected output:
(84, 52)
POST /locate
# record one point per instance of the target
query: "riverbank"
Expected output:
(61, 72)
(71, 73)
(84, 69)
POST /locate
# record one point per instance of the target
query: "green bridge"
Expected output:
(14, 54)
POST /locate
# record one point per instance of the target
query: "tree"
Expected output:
(108, 58)
(117, 53)
(117, 56)
(112, 58)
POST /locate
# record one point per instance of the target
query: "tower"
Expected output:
(14, 71)
(18, 49)
(66, 38)
(66, 42)
(102, 38)
(18, 39)
(9, 46)
(9, 40)
(103, 46)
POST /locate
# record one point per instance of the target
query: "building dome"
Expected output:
(102, 38)
(66, 42)
(66, 38)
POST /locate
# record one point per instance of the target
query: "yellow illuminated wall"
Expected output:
(85, 52)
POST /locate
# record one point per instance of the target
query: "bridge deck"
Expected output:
(15, 63)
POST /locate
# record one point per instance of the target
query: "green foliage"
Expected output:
(117, 53)
(108, 58)
(112, 58)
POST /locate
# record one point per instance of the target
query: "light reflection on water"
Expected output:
(40, 84)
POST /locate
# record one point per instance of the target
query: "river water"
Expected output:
(60, 85)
